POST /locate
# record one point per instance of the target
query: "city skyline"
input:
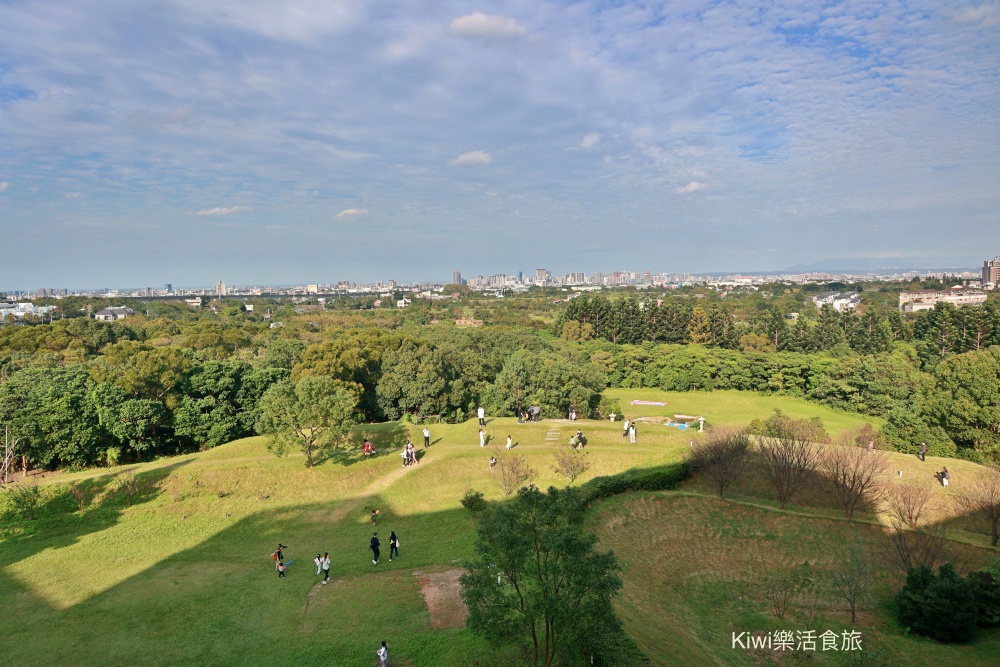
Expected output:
(146, 143)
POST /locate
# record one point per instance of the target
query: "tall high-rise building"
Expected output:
(168, 288)
(220, 288)
(991, 271)
(541, 275)
(456, 277)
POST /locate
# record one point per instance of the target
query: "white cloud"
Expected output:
(693, 186)
(590, 140)
(473, 159)
(72, 195)
(218, 210)
(352, 213)
(4, 185)
(987, 14)
(487, 28)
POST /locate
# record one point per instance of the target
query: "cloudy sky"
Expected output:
(281, 142)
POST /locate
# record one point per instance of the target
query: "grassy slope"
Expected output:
(184, 575)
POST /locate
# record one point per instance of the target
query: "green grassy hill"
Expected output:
(184, 576)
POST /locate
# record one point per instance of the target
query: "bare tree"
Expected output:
(571, 463)
(789, 459)
(9, 454)
(907, 504)
(855, 474)
(724, 456)
(983, 501)
(81, 494)
(780, 590)
(912, 548)
(852, 580)
(513, 472)
(129, 485)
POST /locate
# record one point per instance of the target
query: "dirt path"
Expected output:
(442, 595)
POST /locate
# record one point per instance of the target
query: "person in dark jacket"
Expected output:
(375, 544)
(393, 545)
(923, 451)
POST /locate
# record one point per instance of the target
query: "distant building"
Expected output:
(456, 277)
(168, 288)
(312, 289)
(194, 302)
(917, 300)
(220, 289)
(403, 303)
(112, 314)
(991, 272)
(839, 301)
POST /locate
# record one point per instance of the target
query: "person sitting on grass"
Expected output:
(493, 462)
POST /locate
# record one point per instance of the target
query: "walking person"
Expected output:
(393, 545)
(278, 555)
(326, 567)
(383, 655)
(510, 443)
(375, 544)
(625, 427)
(482, 415)
(482, 438)
(923, 451)
(427, 437)
(520, 415)
(281, 569)
(319, 564)
(631, 432)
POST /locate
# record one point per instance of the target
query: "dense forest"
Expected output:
(78, 392)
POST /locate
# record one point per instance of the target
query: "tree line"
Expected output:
(80, 392)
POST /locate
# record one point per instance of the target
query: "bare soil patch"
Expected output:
(442, 595)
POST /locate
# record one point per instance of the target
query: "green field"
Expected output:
(184, 575)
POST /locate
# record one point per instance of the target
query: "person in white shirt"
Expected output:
(383, 655)
(631, 432)
(427, 437)
(510, 443)
(319, 564)
(326, 567)
(482, 416)
(482, 438)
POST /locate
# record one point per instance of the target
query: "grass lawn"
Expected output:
(184, 576)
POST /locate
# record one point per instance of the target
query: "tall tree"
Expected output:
(311, 414)
(699, 330)
(537, 579)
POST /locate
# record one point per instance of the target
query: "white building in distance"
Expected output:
(917, 300)
(839, 301)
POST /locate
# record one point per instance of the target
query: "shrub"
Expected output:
(662, 478)
(607, 406)
(474, 501)
(941, 607)
(24, 499)
(985, 586)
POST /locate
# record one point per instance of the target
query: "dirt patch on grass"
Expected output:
(442, 595)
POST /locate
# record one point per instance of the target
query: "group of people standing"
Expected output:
(628, 429)
(409, 455)
(531, 414)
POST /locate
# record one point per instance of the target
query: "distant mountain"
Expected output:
(855, 264)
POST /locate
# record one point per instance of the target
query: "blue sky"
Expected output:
(313, 141)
